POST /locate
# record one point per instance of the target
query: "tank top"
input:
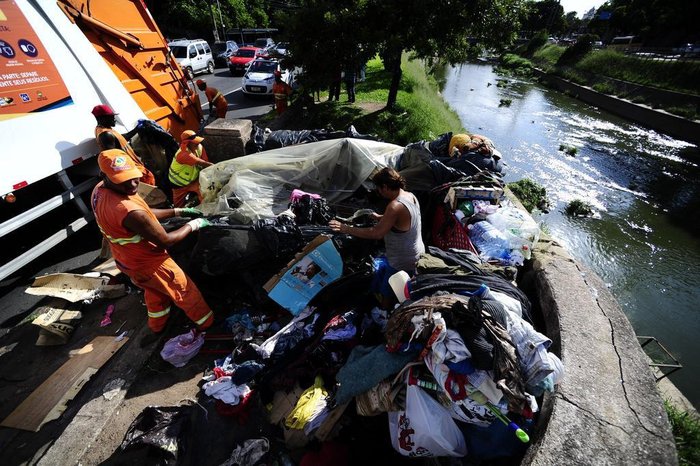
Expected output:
(404, 248)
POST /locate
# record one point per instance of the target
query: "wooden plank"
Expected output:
(48, 401)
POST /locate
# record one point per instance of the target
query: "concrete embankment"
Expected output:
(607, 410)
(659, 120)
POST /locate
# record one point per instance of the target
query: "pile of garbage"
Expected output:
(456, 369)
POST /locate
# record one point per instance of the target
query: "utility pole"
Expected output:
(213, 20)
(221, 18)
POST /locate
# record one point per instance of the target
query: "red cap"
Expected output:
(278, 73)
(102, 110)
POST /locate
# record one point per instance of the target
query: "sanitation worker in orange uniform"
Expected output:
(281, 90)
(106, 119)
(185, 168)
(138, 241)
(217, 102)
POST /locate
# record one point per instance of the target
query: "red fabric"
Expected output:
(331, 454)
(448, 232)
(241, 410)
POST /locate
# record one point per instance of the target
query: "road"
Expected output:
(239, 106)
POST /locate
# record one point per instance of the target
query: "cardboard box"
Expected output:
(312, 269)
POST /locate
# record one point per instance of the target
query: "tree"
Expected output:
(326, 35)
(192, 18)
(545, 15)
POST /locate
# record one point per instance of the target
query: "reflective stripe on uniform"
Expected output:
(203, 319)
(157, 314)
(120, 241)
(181, 174)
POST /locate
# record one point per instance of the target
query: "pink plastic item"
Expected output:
(107, 319)
(298, 193)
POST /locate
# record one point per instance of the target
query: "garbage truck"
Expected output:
(58, 59)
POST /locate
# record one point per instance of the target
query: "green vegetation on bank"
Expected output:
(686, 433)
(615, 73)
(420, 113)
(531, 194)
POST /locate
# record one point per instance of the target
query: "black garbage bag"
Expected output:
(257, 140)
(158, 436)
(286, 137)
(311, 211)
(439, 147)
(152, 133)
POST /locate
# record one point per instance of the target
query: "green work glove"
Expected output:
(190, 212)
(198, 223)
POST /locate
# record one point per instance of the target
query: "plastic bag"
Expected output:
(518, 226)
(425, 428)
(180, 349)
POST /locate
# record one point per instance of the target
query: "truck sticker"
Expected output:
(29, 80)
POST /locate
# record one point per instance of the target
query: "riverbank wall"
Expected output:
(608, 409)
(659, 120)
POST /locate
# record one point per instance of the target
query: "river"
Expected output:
(644, 239)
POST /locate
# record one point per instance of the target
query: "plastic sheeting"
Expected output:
(259, 185)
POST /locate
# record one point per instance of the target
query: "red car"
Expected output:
(240, 60)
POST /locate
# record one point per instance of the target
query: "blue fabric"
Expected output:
(380, 280)
(494, 441)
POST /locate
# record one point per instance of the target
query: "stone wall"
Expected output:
(226, 139)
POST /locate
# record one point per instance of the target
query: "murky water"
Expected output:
(644, 240)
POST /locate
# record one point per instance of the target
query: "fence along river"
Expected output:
(644, 239)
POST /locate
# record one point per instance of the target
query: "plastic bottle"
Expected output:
(491, 243)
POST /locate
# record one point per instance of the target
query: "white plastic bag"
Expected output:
(425, 428)
(180, 349)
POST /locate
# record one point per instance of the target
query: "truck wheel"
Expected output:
(210, 68)
(189, 73)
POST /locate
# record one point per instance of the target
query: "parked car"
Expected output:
(239, 61)
(260, 76)
(279, 50)
(223, 51)
(264, 43)
(194, 56)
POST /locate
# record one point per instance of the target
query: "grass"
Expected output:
(512, 64)
(686, 433)
(420, 114)
(547, 57)
(531, 194)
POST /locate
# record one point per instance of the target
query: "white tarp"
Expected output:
(262, 183)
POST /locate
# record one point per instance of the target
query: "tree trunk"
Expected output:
(395, 78)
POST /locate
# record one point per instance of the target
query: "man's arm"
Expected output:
(378, 231)
(140, 222)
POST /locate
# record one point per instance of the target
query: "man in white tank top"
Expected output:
(399, 227)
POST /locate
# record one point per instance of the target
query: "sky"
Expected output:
(580, 6)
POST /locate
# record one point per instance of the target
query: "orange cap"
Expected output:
(118, 166)
(189, 135)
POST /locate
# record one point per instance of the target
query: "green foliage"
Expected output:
(569, 150)
(686, 432)
(419, 115)
(505, 102)
(579, 208)
(547, 56)
(583, 45)
(604, 88)
(326, 35)
(537, 42)
(677, 75)
(545, 15)
(531, 194)
(512, 64)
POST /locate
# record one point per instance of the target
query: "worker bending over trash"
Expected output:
(106, 119)
(139, 242)
(218, 105)
(399, 226)
(185, 168)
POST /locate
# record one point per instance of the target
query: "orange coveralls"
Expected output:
(281, 90)
(149, 266)
(185, 157)
(217, 100)
(147, 175)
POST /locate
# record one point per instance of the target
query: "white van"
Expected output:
(194, 56)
